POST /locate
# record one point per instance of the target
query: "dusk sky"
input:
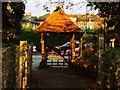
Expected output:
(36, 7)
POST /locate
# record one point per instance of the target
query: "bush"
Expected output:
(31, 37)
(111, 68)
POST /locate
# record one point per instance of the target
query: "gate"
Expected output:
(56, 60)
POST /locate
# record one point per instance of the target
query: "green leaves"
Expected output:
(111, 66)
(110, 12)
(12, 14)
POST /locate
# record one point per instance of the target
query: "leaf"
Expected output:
(116, 73)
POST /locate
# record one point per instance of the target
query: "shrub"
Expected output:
(111, 68)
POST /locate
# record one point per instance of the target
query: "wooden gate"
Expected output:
(55, 60)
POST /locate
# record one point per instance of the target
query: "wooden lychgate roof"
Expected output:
(58, 21)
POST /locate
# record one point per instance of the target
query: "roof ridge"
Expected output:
(58, 9)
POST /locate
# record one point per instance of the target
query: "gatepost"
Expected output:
(100, 60)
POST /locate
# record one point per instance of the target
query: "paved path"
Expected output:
(59, 78)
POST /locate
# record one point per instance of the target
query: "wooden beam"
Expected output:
(73, 45)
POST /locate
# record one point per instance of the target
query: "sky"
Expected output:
(36, 7)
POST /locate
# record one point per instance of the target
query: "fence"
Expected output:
(16, 66)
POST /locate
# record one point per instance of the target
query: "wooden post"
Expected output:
(42, 45)
(43, 63)
(21, 61)
(73, 47)
(101, 51)
(4, 82)
(81, 46)
(26, 70)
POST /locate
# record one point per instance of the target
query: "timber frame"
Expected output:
(57, 22)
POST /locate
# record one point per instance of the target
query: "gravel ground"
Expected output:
(61, 78)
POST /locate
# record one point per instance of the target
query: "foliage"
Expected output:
(31, 37)
(55, 39)
(89, 59)
(110, 11)
(111, 58)
(52, 39)
(90, 51)
(111, 68)
(8, 67)
(111, 14)
(12, 13)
